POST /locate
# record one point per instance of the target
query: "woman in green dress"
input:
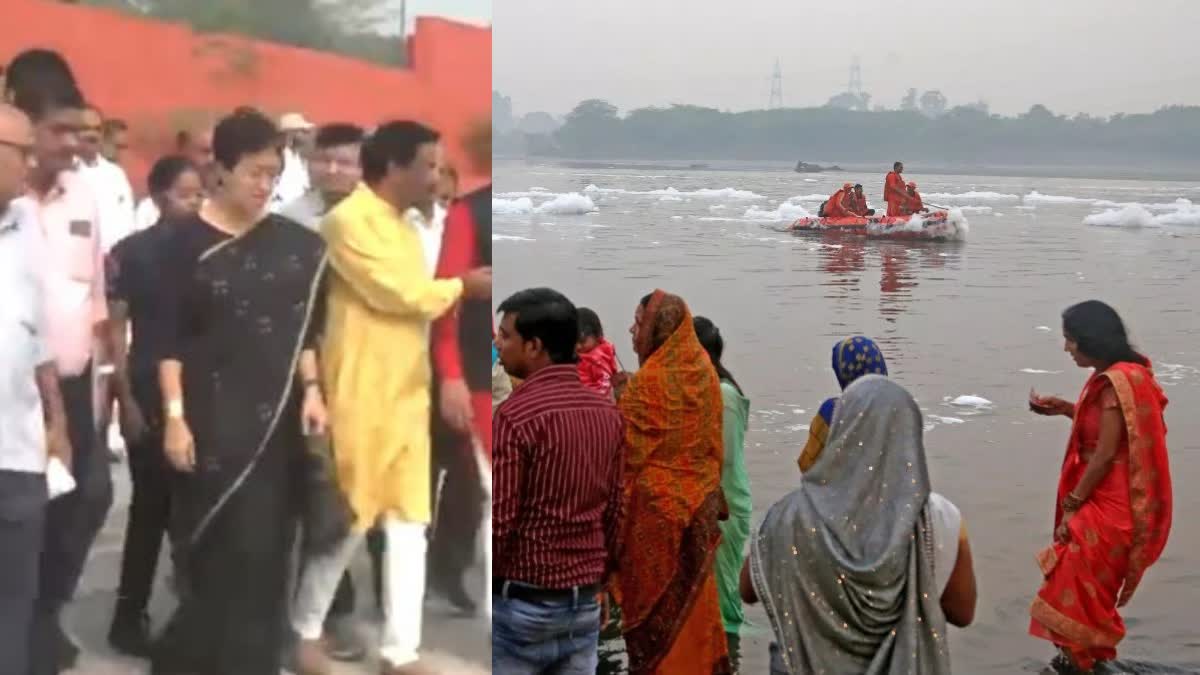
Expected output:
(734, 483)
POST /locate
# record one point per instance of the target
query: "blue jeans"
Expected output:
(554, 637)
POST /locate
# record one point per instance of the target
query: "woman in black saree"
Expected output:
(240, 390)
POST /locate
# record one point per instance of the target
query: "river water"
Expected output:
(977, 317)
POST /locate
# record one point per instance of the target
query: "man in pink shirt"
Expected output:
(72, 265)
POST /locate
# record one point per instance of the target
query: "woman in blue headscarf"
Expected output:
(852, 358)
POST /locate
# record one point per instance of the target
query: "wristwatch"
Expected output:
(174, 409)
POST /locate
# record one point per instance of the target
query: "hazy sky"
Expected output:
(1096, 56)
(474, 11)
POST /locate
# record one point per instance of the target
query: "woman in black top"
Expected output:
(133, 286)
(239, 382)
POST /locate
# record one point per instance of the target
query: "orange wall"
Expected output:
(159, 76)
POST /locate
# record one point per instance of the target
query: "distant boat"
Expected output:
(805, 167)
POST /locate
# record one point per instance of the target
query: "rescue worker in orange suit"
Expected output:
(856, 202)
(893, 190)
(914, 203)
(836, 207)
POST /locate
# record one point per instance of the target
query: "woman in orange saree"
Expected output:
(1113, 512)
(665, 581)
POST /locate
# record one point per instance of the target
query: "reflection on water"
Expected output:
(976, 318)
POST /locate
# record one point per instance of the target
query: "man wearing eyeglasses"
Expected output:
(33, 426)
(71, 266)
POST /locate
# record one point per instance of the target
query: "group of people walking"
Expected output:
(277, 394)
(637, 495)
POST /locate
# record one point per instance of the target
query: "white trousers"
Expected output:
(403, 589)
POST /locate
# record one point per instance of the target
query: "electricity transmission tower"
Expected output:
(855, 86)
(776, 100)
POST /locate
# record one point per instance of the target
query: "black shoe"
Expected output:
(342, 641)
(130, 634)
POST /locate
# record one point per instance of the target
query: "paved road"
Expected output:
(462, 644)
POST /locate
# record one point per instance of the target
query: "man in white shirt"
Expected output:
(429, 215)
(110, 185)
(295, 180)
(116, 139)
(114, 202)
(33, 424)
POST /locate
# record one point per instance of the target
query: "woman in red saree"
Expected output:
(1113, 512)
(665, 581)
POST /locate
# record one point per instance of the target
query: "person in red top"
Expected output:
(462, 360)
(913, 203)
(836, 206)
(597, 356)
(893, 190)
(856, 202)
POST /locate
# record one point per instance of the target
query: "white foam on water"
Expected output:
(1035, 371)
(717, 207)
(1179, 213)
(538, 188)
(786, 211)
(510, 237)
(709, 193)
(997, 214)
(972, 196)
(512, 207)
(517, 195)
(1130, 216)
(1034, 198)
(1173, 373)
(1044, 329)
(955, 228)
(670, 198)
(946, 420)
(969, 401)
(706, 193)
(676, 217)
(810, 180)
(809, 198)
(569, 204)
(976, 209)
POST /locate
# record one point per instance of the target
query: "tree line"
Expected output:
(595, 129)
(348, 27)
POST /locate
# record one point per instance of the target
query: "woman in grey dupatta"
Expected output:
(861, 567)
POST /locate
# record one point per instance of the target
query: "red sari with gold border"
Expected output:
(1119, 531)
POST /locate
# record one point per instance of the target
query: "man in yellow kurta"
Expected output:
(376, 376)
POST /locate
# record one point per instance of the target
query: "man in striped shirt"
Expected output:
(556, 494)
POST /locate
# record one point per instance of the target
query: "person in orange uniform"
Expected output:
(914, 203)
(856, 202)
(893, 190)
(837, 206)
